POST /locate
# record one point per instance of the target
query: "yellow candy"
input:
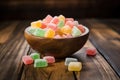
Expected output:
(50, 33)
(36, 24)
(66, 30)
(61, 17)
(74, 66)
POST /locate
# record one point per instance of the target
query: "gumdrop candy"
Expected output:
(74, 66)
(36, 24)
(69, 19)
(81, 28)
(60, 24)
(76, 23)
(48, 19)
(50, 33)
(39, 32)
(40, 63)
(61, 18)
(66, 30)
(75, 31)
(49, 59)
(27, 60)
(70, 23)
(68, 60)
(52, 26)
(91, 51)
(35, 56)
(55, 20)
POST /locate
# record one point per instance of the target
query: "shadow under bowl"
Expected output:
(59, 48)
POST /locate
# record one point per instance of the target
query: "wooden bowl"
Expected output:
(59, 48)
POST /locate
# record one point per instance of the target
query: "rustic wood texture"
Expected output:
(13, 46)
(106, 40)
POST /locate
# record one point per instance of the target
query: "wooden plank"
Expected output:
(12, 51)
(107, 41)
(94, 68)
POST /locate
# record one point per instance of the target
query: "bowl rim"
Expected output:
(85, 33)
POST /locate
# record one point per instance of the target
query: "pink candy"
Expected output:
(27, 60)
(49, 59)
(91, 51)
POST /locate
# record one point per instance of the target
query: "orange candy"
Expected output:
(66, 30)
(50, 33)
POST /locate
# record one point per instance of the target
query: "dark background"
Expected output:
(38, 9)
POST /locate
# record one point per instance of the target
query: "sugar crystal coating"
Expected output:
(35, 56)
(40, 63)
(74, 66)
(68, 60)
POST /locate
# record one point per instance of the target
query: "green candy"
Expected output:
(35, 56)
(31, 30)
(60, 24)
(76, 31)
(40, 63)
(39, 32)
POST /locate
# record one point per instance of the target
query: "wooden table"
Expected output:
(104, 36)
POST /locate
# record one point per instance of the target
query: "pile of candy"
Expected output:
(35, 58)
(56, 27)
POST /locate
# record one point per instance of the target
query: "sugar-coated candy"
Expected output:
(27, 60)
(55, 20)
(60, 24)
(47, 19)
(35, 56)
(52, 26)
(75, 31)
(91, 51)
(32, 30)
(70, 23)
(43, 25)
(61, 18)
(68, 60)
(50, 33)
(69, 19)
(76, 23)
(49, 59)
(66, 29)
(36, 24)
(39, 32)
(40, 63)
(74, 66)
(81, 28)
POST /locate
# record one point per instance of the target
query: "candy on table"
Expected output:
(68, 60)
(35, 56)
(36, 24)
(81, 28)
(49, 59)
(61, 17)
(55, 20)
(61, 23)
(91, 51)
(27, 60)
(70, 23)
(39, 32)
(66, 30)
(50, 33)
(47, 19)
(74, 66)
(52, 26)
(40, 63)
(75, 31)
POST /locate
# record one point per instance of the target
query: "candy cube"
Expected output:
(32, 30)
(43, 25)
(36, 24)
(40, 63)
(70, 23)
(81, 28)
(76, 31)
(52, 26)
(27, 60)
(49, 59)
(91, 51)
(68, 60)
(69, 19)
(50, 33)
(76, 23)
(39, 32)
(74, 66)
(47, 19)
(60, 24)
(66, 30)
(55, 20)
(35, 56)
(61, 17)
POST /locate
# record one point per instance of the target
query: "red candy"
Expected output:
(70, 23)
(52, 26)
(91, 51)
(27, 60)
(48, 18)
(49, 59)
(81, 28)
(55, 20)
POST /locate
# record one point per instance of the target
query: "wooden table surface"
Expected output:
(104, 36)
